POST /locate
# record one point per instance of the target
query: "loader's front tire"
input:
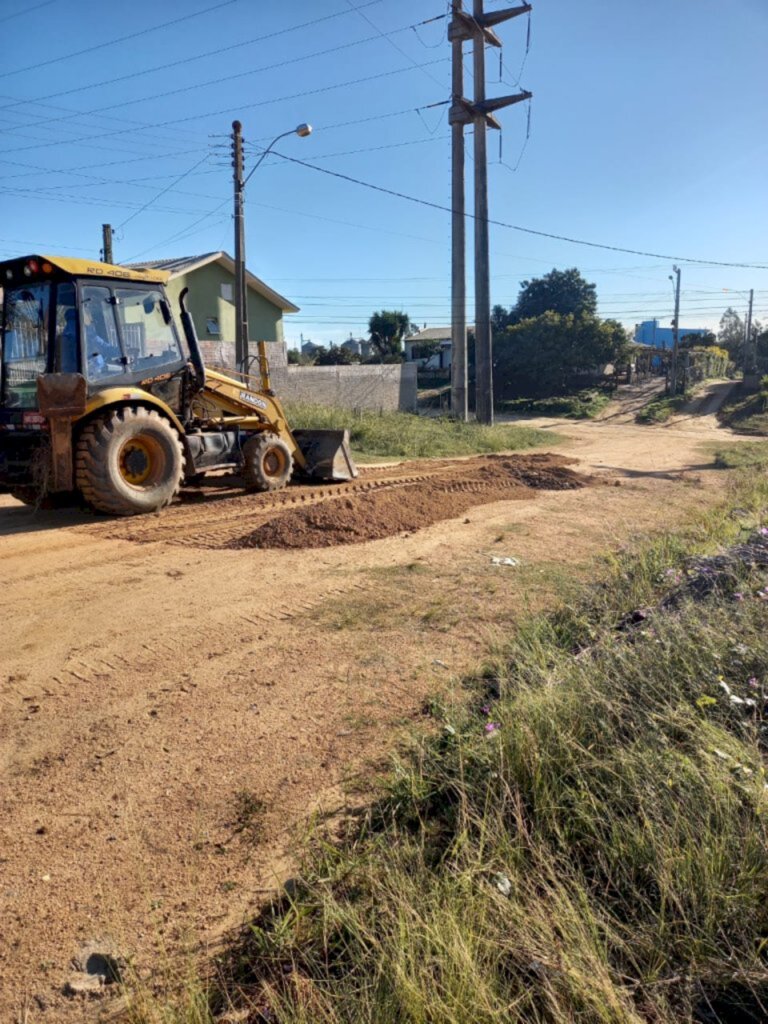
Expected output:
(267, 463)
(129, 461)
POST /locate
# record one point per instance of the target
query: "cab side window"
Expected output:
(67, 331)
(148, 334)
(103, 353)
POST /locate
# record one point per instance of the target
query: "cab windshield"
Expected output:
(24, 343)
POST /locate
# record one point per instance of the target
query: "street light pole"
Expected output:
(241, 290)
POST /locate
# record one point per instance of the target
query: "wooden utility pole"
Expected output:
(479, 28)
(241, 294)
(459, 405)
(106, 243)
(676, 335)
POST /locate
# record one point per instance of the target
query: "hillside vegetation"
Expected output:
(747, 411)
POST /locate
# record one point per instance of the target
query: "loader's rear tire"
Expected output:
(267, 463)
(129, 461)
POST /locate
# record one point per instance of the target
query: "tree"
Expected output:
(387, 330)
(297, 358)
(731, 334)
(334, 356)
(500, 318)
(560, 291)
(706, 340)
(552, 354)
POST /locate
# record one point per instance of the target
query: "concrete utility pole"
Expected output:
(106, 243)
(676, 336)
(459, 406)
(750, 353)
(479, 28)
(241, 294)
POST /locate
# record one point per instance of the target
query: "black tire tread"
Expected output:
(256, 480)
(91, 465)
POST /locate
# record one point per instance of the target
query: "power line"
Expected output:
(162, 192)
(119, 39)
(26, 11)
(371, 149)
(73, 115)
(392, 43)
(190, 152)
(190, 60)
(226, 110)
(225, 78)
(515, 227)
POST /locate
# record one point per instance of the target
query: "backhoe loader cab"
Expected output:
(100, 394)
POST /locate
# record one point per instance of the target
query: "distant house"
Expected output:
(436, 338)
(650, 333)
(210, 278)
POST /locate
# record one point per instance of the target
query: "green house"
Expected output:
(211, 300)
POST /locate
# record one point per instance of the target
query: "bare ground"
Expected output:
(175, 704)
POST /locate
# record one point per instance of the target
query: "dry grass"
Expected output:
(584, 838)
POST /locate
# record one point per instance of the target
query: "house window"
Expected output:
(227, 292)
(212, 325)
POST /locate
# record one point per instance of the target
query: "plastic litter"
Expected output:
(503, 884)
(496, 560)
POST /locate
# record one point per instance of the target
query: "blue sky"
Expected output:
(646, 133)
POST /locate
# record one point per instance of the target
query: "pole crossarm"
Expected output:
(464, 26)
(464, 112)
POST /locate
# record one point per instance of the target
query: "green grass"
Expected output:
(600, 855)
(746, 412)
(744, 455)
(402, 435)
(661, 409)
(579, 406)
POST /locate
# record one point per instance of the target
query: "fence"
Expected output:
(382, 388)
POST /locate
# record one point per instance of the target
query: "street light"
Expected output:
(302, 130)
(241, 294)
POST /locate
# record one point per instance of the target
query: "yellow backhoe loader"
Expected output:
(101, 396)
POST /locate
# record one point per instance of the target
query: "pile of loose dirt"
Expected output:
(409, 507)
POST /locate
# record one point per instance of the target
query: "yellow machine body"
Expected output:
(217, 417)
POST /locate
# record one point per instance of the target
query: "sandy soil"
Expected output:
(173, 707)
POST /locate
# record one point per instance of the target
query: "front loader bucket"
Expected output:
(327, 453)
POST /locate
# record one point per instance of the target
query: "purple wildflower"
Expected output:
(764, 531)
(486, 709)
(738, 596)
(752, 681)
(491, 727)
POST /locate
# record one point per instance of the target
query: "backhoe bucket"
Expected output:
(327, 453)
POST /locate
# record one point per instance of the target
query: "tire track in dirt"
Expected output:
(383, 502)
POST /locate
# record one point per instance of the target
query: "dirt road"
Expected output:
(179, 693)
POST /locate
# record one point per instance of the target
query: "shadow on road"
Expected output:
(18, 518)
(675, 475)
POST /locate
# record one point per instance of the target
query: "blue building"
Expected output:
(649, 333)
